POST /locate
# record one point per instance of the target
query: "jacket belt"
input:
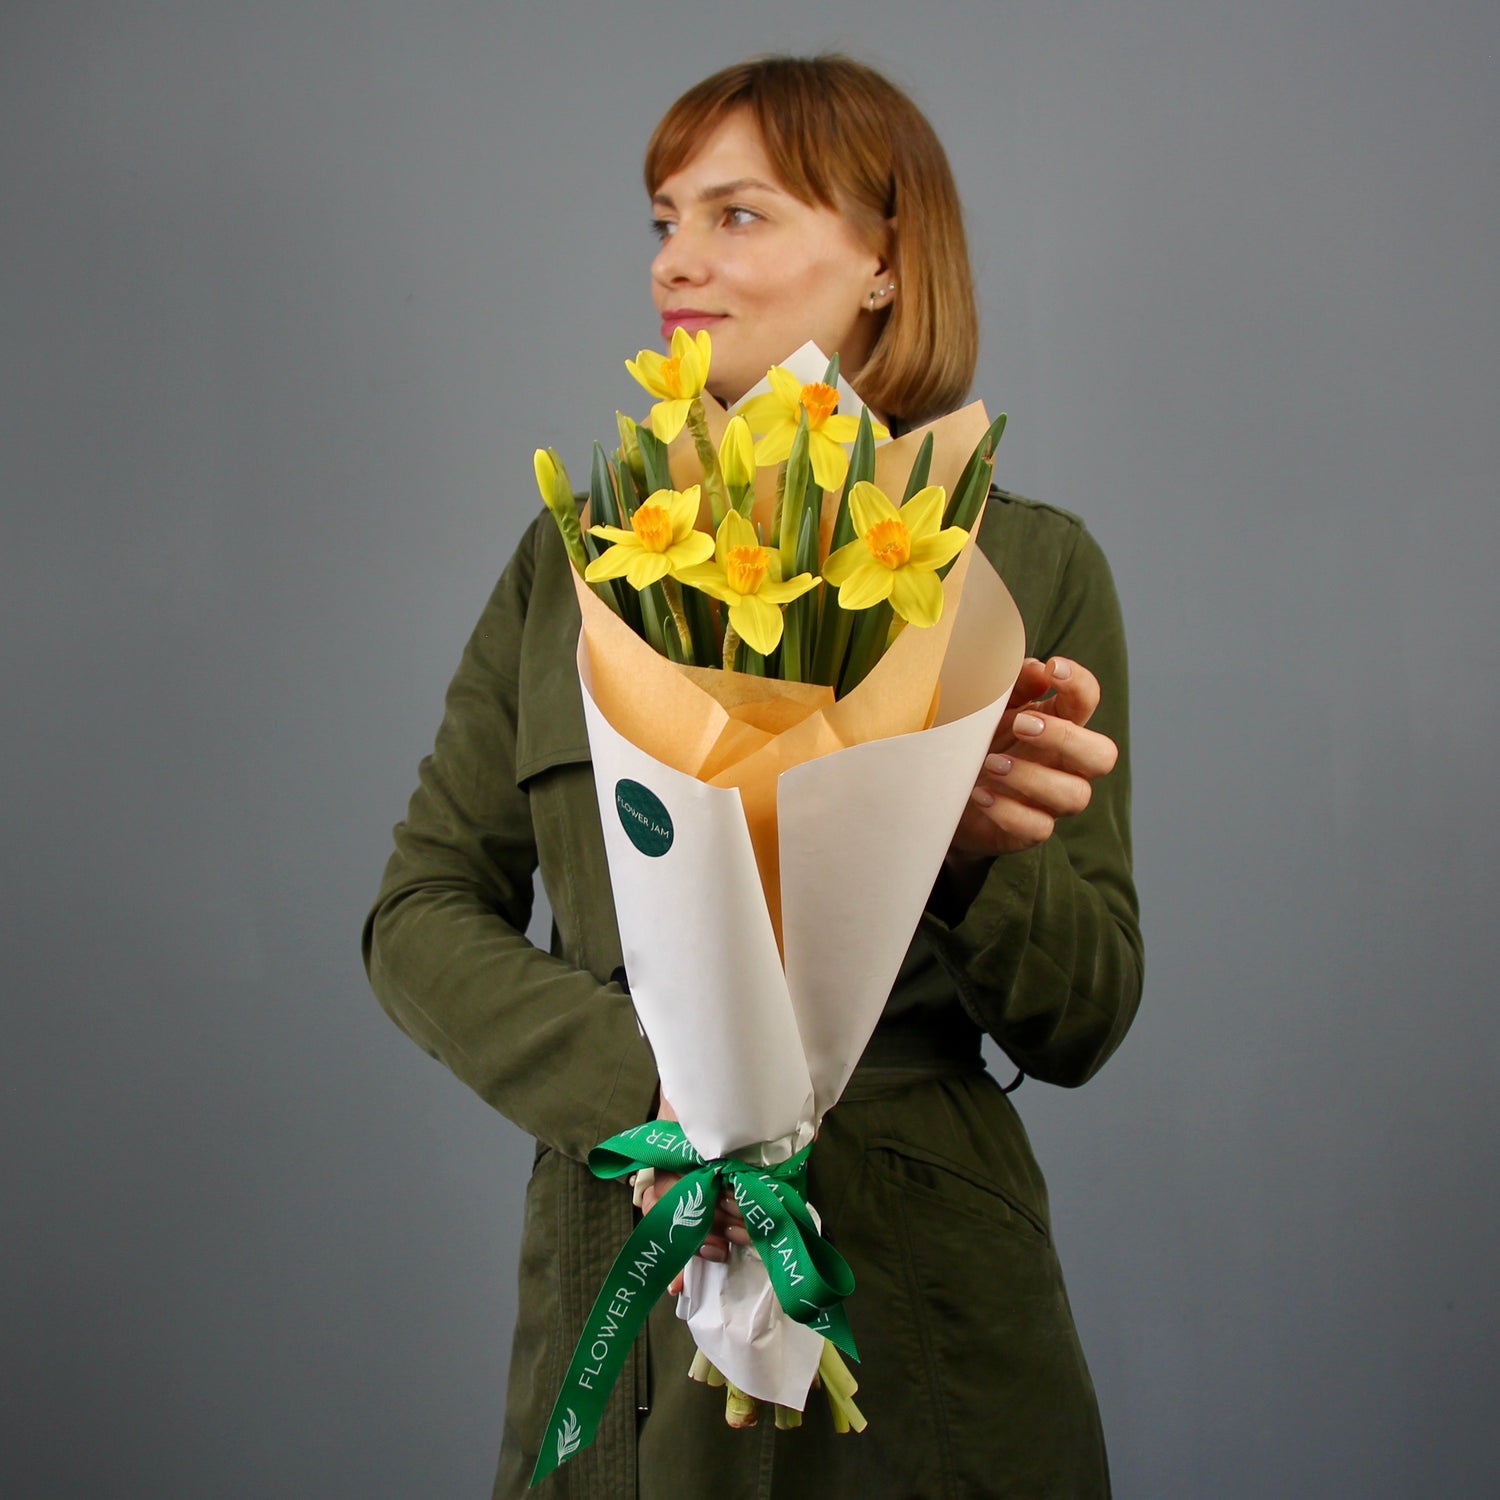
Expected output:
(898, 1056)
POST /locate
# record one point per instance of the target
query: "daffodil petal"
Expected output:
(933, 551)
(763, 412)
(775, 445)
(782, 593)
(702, 356)
(868, 584)
(610, 564)
(644, 568)
(917, 596)
(840, 563)
(646, 368)
(785, 386)
(829, 461)
(667, 418)
(869, 506)
(735, 530)
(682, 506)
(923, 513)
(841, 428)
(696, 547)
(613, 533)
(706, 578)
(757, 623)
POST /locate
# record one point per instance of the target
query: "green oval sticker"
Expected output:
(644, 818)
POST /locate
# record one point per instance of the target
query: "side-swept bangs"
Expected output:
(841, 135)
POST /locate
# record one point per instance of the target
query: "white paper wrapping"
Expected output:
(751, 1053)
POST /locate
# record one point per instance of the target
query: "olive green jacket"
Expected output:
(922, 1171)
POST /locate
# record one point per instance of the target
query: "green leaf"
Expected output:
(700, 619)
(963, 503)
(921, 467)
(866, 645)
(603, 503)
(654, 461)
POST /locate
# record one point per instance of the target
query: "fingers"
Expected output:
(1041, 738)
(1049, 789)
(1075, 690)
(1059, 689)
(1042, 762)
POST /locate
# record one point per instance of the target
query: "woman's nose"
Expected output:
(680, 262)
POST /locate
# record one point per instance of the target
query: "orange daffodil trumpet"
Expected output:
(747, 577)
(775, 415)
(661, 540)
(676, 380)
(896, 554)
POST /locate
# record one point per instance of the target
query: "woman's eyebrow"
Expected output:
(720, 190)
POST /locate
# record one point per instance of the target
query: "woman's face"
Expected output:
(762, 271)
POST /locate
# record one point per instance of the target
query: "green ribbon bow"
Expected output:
(810, 1278)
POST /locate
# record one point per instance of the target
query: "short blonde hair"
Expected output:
(841, 135)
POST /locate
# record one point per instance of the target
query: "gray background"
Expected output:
(288, 293)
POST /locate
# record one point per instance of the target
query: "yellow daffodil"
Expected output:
(661, 540)
(676, 380)
(775, 415)
(895, 554)
(747, 577)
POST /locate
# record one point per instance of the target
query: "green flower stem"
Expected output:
(798, 478)
(740, 1409)
(731, 647)
(840, 1385)
(672, 592)
(776, 509)
(713, 480)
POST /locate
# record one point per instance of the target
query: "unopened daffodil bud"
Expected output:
(737, 454)
(557, 496)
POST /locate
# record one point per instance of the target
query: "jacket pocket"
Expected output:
(925, 1176)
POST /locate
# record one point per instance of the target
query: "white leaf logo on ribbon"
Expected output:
(689, 1212)
(569, 1436)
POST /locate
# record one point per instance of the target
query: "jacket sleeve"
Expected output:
(1048, 956)
(548, 1045)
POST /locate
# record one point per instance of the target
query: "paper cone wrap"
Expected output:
(771, 852)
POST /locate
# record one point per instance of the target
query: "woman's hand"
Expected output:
(728, 1226)
(1041, 767)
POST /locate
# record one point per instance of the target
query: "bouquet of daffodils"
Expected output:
(790, 680)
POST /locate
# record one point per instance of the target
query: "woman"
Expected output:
(794, 200)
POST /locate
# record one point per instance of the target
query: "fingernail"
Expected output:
(998, 765)
(982, 798)
(1029, 724)
(713, 1252)
(1062, 669)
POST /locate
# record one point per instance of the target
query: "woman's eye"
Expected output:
(739, 217)
(663, 229)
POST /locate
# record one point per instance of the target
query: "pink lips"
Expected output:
(690, 318)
